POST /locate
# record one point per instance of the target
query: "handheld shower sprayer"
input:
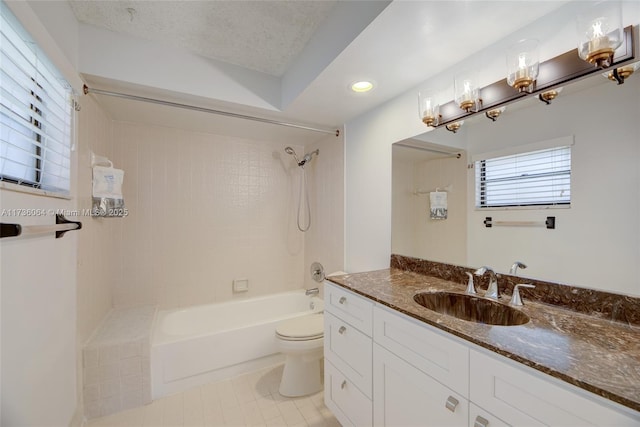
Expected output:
(292, 152)
(304, 191)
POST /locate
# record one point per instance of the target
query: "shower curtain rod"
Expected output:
(88, 90)
(432, 150)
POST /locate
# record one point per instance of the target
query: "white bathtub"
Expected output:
(205, 343)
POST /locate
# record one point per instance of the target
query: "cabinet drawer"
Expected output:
(478, 417)
(352, 308)
(433, 353)
(522, 396)
(349, 350)
(350, 406)
(406, 396)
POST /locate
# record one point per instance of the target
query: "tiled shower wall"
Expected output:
(324, 241)
(204, 210)
(96, 246)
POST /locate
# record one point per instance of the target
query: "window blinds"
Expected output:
(35, 113)
(535, 178)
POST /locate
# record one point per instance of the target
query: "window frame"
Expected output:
(479, 166)
(39, 117)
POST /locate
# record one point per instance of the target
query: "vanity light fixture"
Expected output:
(549, 95)
(563, 69)
(620, 74)
(523, 63)
(495, 113)
(428, 109)
(362, 86)
(466, 93)
(600, 33)
(455, 126)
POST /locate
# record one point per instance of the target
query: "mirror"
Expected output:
(596, 242)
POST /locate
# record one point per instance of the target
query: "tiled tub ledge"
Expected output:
(116, 362)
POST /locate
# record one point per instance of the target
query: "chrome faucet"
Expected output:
(516, 299)
(492, 290)
(514, 268)
(312, 291)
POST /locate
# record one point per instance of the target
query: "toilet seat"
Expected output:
(304, 328)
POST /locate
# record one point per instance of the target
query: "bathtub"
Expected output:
(211, 342)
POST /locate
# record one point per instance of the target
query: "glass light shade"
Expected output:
(600, 33)
(523, 63)
(466, 92)
(428, 109)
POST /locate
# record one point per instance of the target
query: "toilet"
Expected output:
(301, 340)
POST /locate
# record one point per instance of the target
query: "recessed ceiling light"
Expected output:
(362, 86)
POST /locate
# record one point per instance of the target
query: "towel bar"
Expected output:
(549, 223)
(62, 226)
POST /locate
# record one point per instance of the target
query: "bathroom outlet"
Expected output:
(240, 285)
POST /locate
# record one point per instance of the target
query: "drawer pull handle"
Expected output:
(343, 385)
(342, 330)
(481, 422)
(451, 404)
(342, 300)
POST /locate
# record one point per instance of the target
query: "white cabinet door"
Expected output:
(349, 350)
(429, 350)
(406, 397)
(350, 406)
(524, 398)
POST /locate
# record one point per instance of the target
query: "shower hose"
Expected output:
(305, 190)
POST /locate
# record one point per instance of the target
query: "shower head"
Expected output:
(305, 159)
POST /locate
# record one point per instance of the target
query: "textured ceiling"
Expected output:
(260, 35)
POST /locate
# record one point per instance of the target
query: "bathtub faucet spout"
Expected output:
(312, 291)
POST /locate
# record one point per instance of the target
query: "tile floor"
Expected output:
(248, 400)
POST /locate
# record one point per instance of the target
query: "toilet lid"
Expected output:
(302, 328)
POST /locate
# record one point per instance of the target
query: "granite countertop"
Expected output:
(598, 355)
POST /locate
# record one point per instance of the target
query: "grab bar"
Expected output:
(62, 226)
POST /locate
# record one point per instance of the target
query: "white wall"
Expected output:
(38, 318)
(597, 241)
(369, 136)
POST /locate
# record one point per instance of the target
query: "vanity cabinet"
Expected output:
(348, 356)
(523, 397)
(388, 369)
